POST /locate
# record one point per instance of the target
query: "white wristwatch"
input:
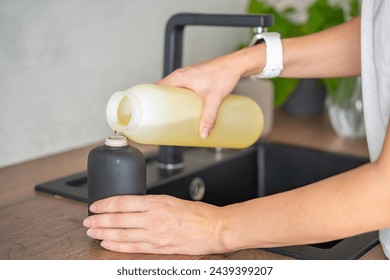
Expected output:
(274, 54)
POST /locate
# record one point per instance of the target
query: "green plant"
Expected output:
(320, 15)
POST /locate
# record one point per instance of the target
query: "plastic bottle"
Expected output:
(165, 115)
(115, 168)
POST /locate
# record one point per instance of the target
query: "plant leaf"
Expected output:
(283, 87)
(321, 15)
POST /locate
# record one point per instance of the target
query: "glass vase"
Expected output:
(345, 110)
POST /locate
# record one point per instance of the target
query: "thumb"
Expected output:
(169, 80)
(209, 115)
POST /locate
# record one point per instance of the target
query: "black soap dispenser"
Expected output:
(115, 168)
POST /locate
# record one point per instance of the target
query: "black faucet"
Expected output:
(171, 157)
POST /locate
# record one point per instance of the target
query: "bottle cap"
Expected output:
(116, 141)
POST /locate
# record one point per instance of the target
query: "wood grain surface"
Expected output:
(36, 225)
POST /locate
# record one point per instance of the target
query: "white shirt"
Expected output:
(375, 46)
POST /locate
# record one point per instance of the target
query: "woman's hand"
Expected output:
(212, 80)
(157, 224)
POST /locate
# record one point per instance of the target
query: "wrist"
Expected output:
(251, 60)
(228, 237)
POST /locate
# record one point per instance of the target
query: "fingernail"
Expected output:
(87, 222)
(92, 208)
(91, 233)
(105, 244)
(204, 133)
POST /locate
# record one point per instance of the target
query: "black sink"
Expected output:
(231, 176)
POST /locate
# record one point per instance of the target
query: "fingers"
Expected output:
(168, 225)
(199, 79)
(133, 247)
(126, 210)
(117, 220)
(169, 80)
(127, 240)
(118, 235)
(122, 203)
(132, 232)
(178, 78)
(209, 115)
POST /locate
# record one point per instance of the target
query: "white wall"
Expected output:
(61, 60)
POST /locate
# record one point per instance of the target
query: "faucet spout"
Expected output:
(172, 157)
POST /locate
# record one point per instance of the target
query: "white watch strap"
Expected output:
(274, 54)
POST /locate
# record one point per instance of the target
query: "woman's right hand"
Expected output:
(212, 80)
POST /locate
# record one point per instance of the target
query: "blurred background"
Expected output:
(60, 61)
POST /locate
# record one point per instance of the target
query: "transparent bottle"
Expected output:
(166, 115)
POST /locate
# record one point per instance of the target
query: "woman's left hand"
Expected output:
(157, 224)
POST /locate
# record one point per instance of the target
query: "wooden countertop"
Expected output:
(36, 225)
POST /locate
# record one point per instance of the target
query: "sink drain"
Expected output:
(197, 188)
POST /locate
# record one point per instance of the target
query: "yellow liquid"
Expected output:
(239, 121)
(186, 134)
(124, 113)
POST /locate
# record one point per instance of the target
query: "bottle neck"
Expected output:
(116, 141)
(123, 111)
